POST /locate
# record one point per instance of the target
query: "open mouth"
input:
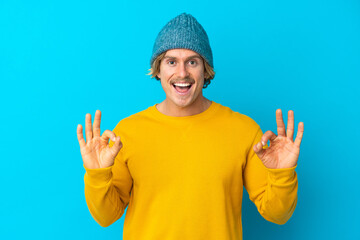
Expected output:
(182, 88)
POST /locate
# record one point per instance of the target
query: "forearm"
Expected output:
(278, 200)
(103, 199)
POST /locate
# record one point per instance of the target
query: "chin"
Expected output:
(182, 105)
(185, 103)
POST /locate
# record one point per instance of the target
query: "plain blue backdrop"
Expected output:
(62, 59)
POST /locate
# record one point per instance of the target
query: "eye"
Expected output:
(171, 62)
(192, 62)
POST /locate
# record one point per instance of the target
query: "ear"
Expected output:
(158, 74)
(206, 75)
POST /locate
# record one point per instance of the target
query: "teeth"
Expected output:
(182, 84)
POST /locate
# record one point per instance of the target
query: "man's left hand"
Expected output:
(283, 152)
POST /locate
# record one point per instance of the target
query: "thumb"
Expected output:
(258, 149)
(117, 145)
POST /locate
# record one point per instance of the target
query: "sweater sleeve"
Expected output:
(107, 191)
(273, 191)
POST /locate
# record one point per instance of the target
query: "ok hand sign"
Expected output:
(283, 152)
(96, 152)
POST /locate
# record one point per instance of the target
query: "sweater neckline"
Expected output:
(200, 116)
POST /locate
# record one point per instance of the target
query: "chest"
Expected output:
(189, 156)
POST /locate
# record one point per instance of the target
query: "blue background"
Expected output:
(62, 59)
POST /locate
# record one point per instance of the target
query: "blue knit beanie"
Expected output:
(183, 31)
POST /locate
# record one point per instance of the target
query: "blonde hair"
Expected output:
(155, 69)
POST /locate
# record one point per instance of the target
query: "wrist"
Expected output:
(98, 176)
(282, 175)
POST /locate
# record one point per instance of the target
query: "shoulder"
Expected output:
(237, 119)
(135, 120)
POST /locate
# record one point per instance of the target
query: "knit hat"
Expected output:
(183, 31)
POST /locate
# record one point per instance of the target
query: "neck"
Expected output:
(169, 108)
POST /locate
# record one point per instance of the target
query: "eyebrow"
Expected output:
(193, 56)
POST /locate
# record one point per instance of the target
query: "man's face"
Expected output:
(182, 77)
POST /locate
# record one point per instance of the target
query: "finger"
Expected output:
(96, 128)
(80, 135)
(280, 123)
(290, 126)
(299, 134)
(88, 131)
(268, 135)
(107, 134)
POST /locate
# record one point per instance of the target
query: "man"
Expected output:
(180, 165)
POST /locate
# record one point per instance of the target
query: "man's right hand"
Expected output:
(96, 152)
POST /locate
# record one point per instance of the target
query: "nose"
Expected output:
(182, 71)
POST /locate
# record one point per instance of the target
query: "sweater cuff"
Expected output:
(98, 176)
(282, 175)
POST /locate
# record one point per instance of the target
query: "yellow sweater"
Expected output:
(183, 177)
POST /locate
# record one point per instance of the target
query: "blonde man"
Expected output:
(180, 165)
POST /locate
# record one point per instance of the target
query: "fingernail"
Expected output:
(263, 143)
(113, 139)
